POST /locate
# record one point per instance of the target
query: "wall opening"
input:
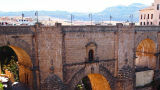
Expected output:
(91, 49)
(93, 82)
(9, 63)
(145, 54)
(16, 65)
(91, 55)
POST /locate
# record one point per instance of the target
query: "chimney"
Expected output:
(131, 24)
(119, 25)
(58, 24)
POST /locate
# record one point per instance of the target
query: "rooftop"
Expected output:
(148, 8)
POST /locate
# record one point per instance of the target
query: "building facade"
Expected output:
(150, 15)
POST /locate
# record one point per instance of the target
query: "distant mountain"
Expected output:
(118, 13)
(122, 13)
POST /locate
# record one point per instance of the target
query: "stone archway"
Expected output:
(99, 82)
(91, 51)
(143, 36)
(24, 66)
(145, 53)
(104, 74)
(94, 82)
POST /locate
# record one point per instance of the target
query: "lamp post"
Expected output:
(90, 16)
(36, 14)
(72, 17)
(110, 17)
(22, 17)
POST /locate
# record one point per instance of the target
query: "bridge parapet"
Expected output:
(16, 29)
(89, 28)
(147, 28)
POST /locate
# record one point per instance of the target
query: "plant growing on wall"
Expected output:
(8, 61)
(1, 86)
(13, 68)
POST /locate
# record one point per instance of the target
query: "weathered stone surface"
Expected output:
(66, 48)
(52, 82)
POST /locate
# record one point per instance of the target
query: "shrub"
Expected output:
(1, 86)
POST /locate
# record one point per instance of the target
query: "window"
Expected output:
(141, 16)
(141, 23)
(91, 49)
(144, 16)
(147, 23)
(148, 16)
(144, 23)
(91, 55)
(159, 16)
(151, 23)
(157, 6)
(151, 16)
(159, 23)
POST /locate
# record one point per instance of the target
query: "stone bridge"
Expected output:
(59, 57)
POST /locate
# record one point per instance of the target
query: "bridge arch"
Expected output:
(103, 76)
(145, 53)
(23, 62)
(140, 38)
(94, 82)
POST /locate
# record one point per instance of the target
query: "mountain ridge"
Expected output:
(118, 13)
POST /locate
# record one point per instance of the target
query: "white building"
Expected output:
(150, 15)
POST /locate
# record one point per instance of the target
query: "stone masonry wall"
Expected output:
(64, 49)
(49, 51)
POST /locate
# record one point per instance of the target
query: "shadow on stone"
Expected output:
(52, 82)
(19, 86)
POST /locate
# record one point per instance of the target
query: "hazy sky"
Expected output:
(65, 5)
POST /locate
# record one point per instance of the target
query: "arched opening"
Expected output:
(145, 54)
(91, 55)
(15, 64)
(91, 50)
(9, 63)
(93, 82)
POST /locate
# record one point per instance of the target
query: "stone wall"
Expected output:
(125, 46)
(64, 50)
(76, 39)
(143, 78)
(21, 37)
(49, 41)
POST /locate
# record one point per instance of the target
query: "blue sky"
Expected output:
(65, 5)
